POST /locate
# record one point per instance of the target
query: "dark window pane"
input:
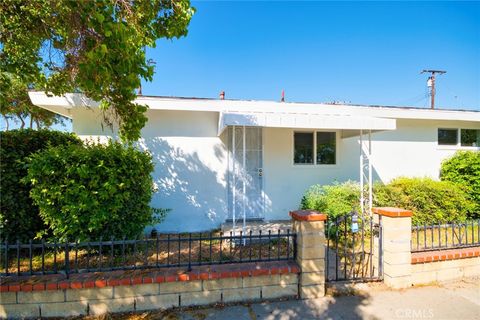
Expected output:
(447, 136)
(326, 148)
(470, 137)
(303, 152)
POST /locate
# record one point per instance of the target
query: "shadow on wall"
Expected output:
(191, 185)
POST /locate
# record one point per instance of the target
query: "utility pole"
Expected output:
(431, 84)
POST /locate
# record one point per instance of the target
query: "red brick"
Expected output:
(147, 280)
(52, 286)
(193, 276)
(14, 287)
(226, 274)
(39, 287)
(125, 282)
(414, 260)
(183, 277)
(159, 279)
(170, 278)
(63, 285)
(245, 273)
(214, 275)
(284, 270)
(470, 254)
(428, 259)
(295, 269)
(443, 257)
(100, 283)
(112, 282)
(76, 285)
(236, 274)
(26, 287)
(204, 275)
(256, 273)
(137, 280)
(4, 288)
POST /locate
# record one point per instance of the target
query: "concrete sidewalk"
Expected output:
(456, 300)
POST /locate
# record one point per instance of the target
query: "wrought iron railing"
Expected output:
(169, 250)
(445, 236)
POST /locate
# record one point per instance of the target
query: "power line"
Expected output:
(431, 84)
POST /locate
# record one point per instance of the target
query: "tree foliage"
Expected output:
(93, 47)
(463, 168)
(431, 201)
(15, 105)
(93, 191)
(19, 218)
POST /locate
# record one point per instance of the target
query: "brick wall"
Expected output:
(94, 294)
(444, 265)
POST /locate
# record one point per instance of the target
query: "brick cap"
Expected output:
(392, 212)
(308, 215)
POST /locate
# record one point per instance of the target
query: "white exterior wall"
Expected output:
(411, 150)
(190, 165)
(191, 162)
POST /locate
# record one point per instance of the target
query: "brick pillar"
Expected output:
(397, 233)
(310, 230)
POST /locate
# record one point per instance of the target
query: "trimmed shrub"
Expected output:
(431, 201)
(95, 191)
(463, 168)
(19, 217)
(335, 200)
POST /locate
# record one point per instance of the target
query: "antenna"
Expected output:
(431, 84)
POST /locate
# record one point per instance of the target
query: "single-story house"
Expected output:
(222, 159)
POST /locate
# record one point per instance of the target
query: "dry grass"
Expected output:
(174, 249)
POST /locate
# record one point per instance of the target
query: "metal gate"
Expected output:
(353, 248)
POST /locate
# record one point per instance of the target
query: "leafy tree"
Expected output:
(463, 168)
(16, 105)
(93, 47)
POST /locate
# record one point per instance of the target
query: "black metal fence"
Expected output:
(445, 236)
(164, 250)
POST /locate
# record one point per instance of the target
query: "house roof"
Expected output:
(63, 104)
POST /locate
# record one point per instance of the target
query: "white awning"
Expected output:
(349, 124)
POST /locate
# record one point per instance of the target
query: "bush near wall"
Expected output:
(95, 191)
(335, 200)
(19, 218)
(463, 168)
(431, 201)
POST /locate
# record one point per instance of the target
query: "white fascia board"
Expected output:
(248, 106)
(305, 121)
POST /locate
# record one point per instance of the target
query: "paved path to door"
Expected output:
(459, 300)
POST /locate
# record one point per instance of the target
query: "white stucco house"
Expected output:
(223, 159)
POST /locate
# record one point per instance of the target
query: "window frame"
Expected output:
(314, 164)
(458, 145)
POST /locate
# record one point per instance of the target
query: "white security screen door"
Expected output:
(245, 187)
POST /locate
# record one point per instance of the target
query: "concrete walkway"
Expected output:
(458, 300)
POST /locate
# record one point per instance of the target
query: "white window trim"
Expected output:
(314, 164)
(457, 146)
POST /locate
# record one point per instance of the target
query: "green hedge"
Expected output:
(431, 201)
(94, 191)
(335, 200)
(463, 168)
(19, 217)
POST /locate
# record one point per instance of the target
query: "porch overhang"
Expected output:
(350, 125)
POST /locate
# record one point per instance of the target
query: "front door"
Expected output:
(245, 173)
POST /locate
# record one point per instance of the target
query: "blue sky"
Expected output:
(358, 52)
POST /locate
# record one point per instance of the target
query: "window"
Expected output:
(470, 137)
(314, 148)
(448, 137)
(303, 147)
(326, 147)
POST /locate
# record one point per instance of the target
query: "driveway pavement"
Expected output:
(456, 300)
